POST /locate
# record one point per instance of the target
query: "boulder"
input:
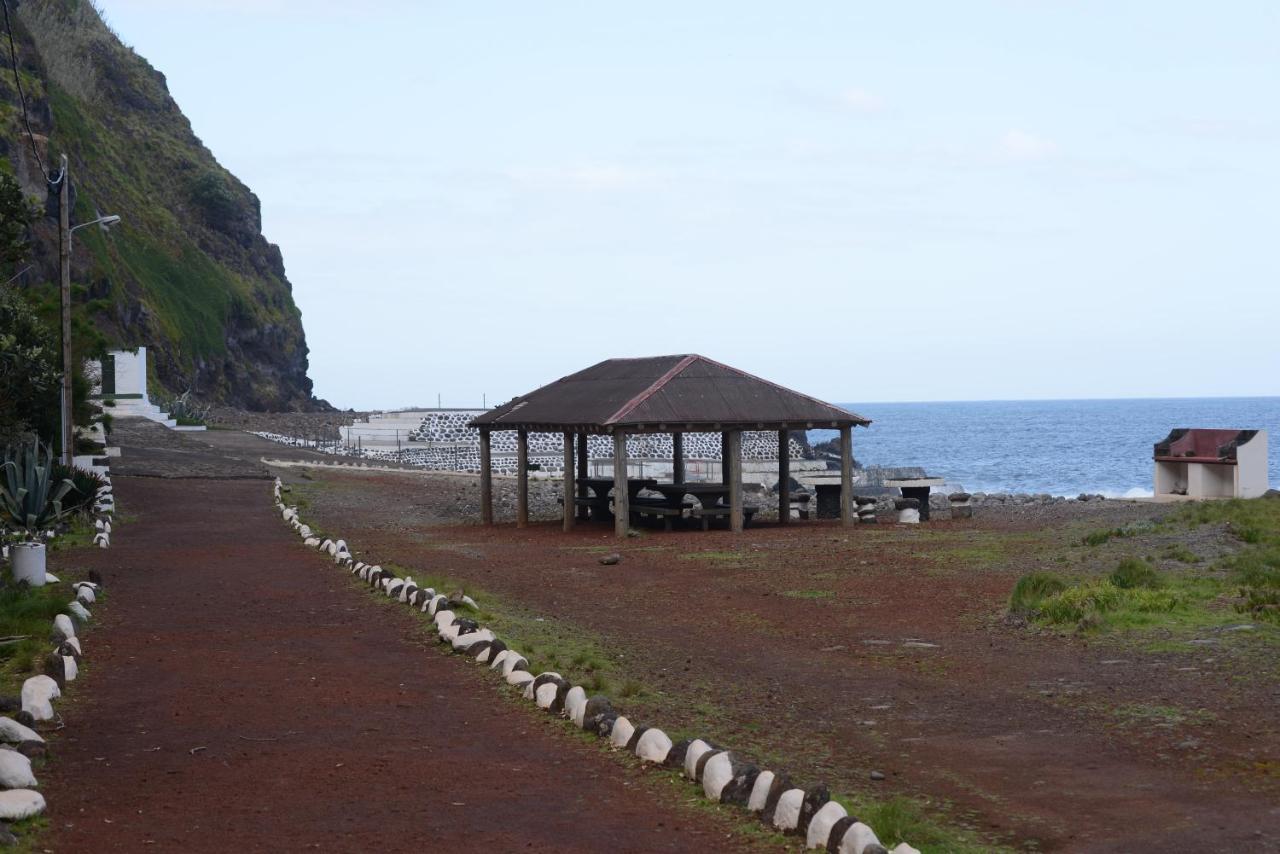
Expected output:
(37, 695)
(621, 732)
(786, 815)
(15, 771)
(760, 791)
(12, 732)
(17, 804)
(821, 824)
(653, 746)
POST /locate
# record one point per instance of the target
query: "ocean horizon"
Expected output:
(1059, 447)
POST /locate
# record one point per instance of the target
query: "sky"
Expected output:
(996, 199)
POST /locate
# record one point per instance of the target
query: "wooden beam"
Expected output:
(568, 483)
(677, 458)
(846, 476)
(734, 462)
(784, 477)
(583, 491)
(621, 498)
(724, 457)
(486, 480)
(522, 478)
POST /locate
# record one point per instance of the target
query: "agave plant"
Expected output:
(30, 498)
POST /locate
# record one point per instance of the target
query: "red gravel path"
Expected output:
(323, 723)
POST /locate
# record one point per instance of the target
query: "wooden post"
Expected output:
(522, 478)
(784, 477)
(568, 482)
(724, 458)
(583, 491)
(734, 462)
(846, 476)
(677, 458)
(486, 480)
(621, 498)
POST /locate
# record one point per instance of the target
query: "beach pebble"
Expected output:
(821, 823)
(17, 804)
(15, 771)
(653, 746)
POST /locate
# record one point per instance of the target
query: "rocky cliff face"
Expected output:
(188, 273)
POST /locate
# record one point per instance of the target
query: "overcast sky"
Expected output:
(864, 201)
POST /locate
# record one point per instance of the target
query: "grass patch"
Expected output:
(1032, 590)
(1133, 529)
(1133, 574)
(1163, 717)
(713, 557)
(1180, 553)
(1255, 568)
(809, 594)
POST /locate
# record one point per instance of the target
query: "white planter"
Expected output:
(29, 563)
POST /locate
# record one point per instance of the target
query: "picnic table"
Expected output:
(598, 503)
(713, 497)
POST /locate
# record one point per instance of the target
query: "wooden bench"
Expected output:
(660, 508)
(800, 502)
(722, 510)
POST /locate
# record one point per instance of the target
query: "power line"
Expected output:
(17, 79)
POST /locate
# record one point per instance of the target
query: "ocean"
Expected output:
(1062, 447)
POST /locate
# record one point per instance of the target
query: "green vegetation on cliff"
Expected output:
(188, 274)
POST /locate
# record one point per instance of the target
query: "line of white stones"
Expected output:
(18, 739)
(726, 776)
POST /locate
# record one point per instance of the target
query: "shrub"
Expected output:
(1133, 573)
(30, 496)
(1031, 591)
(1096, 599)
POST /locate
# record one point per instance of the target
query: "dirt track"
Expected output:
(244, 696)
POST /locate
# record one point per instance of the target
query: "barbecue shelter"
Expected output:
(659, 394)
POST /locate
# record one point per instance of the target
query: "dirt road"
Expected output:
(244, 696)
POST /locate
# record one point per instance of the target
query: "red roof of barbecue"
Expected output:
(664, 393)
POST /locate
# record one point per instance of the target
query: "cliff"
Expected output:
(188, 273)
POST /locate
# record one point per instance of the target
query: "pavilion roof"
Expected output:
(664, 394)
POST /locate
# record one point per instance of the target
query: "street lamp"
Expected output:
(64, 258)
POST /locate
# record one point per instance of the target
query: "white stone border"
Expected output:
(726, 776)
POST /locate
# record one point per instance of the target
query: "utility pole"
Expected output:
(64, 262)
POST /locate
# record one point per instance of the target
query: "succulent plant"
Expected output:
(30, 498)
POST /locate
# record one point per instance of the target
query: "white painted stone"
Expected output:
(37, 695)
(653, 746)
(443, 618)
(86, 595)
(340, 545)
(17, 804)
(74, 642)
(909, 516)
(435, 604)
(787, 814)
(50, 578)
(857, 838)
(102, 540)
(575, 705)
(15, 771)
(311, 542)
(546, 694)
(716, 774)
(621, 734)
(821, 823)
(331, 548)
(691, 757)
(760, 791)
(520, 678)
(79, 611)
(407, 590)
(98, 525)
(448, 633)
(13, 732)
(515, 661)
(467, 600)
(70, 668)
(499, 659)
(63, 627)
(465, 641)
(904, 848)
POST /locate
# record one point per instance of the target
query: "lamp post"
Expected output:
(64, 258)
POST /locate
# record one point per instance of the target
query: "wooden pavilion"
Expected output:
(660, 394)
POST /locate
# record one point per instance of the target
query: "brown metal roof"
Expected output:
(662, 394)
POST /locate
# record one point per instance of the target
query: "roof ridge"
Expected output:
(653, 389)
(783, 388)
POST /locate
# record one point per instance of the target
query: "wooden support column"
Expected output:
(724, 458)
(583, 491)
(568, 482)
(621, 498)
(846, 476)
(522, 478)
(784, 477)
(486, 480)
(677, 458)
(734, 481)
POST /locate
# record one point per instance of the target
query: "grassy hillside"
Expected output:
(188, 274)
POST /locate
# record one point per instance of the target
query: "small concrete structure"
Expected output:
(917, 488)
(1204, 463)
(123, 382)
